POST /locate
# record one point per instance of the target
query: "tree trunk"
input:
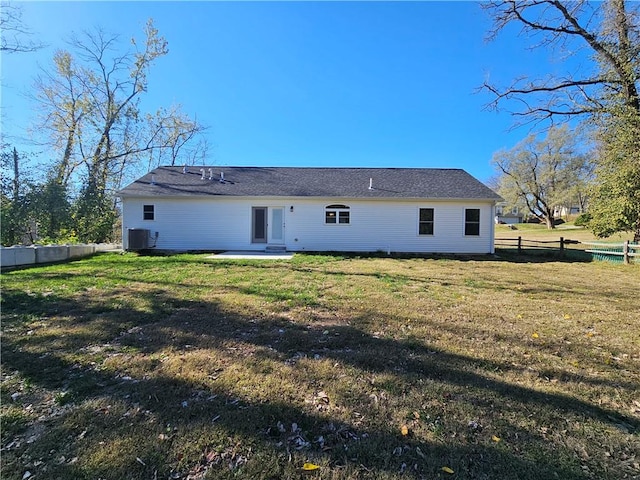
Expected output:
(549, 221)
(16, 177)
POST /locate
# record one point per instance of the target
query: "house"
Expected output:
(507, 215)
(560, 211)
(417, 210)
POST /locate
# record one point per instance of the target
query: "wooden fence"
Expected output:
(618, 252)
(522, 244)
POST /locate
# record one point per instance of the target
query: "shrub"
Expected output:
(582, 220)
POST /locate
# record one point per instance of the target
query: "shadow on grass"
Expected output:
(263, 429)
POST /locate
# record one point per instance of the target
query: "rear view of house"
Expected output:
(410, 210)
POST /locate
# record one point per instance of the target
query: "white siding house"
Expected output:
(252, 209)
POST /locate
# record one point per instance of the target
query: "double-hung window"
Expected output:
(148, 212)
(425, 221)
(472, 221)
(337, 214)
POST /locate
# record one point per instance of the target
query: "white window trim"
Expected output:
(153, 211)
(464, 222)
(337, 209)
(433, 222)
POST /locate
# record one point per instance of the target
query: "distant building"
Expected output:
(508, 214)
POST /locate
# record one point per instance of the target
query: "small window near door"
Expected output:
(148, 212)
(337, 214)
(425, 222)
(472, 221)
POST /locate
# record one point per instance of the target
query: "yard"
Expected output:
(182, 367)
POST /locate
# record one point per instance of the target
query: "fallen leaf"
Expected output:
(446, 470)
(535, 335)
(310, 467)
(404, 430)
(211, 456)
(495, 439)
(322, 396)
(567, 316)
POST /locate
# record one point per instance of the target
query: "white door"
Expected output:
(276, 225)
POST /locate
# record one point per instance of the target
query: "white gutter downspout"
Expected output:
(492, 218)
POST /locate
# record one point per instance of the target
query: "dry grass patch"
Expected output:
(185, 368)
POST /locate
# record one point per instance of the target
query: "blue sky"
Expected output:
(376, 84)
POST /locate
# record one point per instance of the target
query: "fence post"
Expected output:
(519, 244)
(562, 246)
(625, 252)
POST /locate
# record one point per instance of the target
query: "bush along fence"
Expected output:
(616, 252)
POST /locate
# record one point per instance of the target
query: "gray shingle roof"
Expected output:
(429, 183)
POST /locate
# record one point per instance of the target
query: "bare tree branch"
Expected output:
(14, 36)
(580, 94)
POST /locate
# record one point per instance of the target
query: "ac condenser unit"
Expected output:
(138, 239)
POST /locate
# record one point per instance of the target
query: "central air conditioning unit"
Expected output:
(138, 239)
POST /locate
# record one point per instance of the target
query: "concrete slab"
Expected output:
(252, 256)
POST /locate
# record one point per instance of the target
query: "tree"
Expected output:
(32, 208)
(541, 175)
(605, 93)
(14, 36)
(91, 112)
(615, 199)
(11, 195)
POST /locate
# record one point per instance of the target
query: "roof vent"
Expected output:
(202, 172)
(221, 177)
(184, 169)
(211, 174)
(153, 179)
(371, 184)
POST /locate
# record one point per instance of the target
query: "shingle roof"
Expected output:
(432, 183)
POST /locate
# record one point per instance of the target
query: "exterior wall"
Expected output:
(225, 224)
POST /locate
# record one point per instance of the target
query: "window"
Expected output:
(337, 214)
(425, 222)
(472, 221)
(148, 212)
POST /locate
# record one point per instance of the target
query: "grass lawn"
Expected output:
(181, 367)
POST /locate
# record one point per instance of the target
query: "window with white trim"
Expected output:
(337, 214)
(425, 221)
(472, 221)
(148, 212)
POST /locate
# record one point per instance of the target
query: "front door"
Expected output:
(259, 224)
(276, 225)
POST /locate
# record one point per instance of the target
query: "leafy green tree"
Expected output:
(49, 204)
(541, 175)
(90, 102)
(31, 210)
(94, 214)
(603, 91)
(13, 190)
(615, 199)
